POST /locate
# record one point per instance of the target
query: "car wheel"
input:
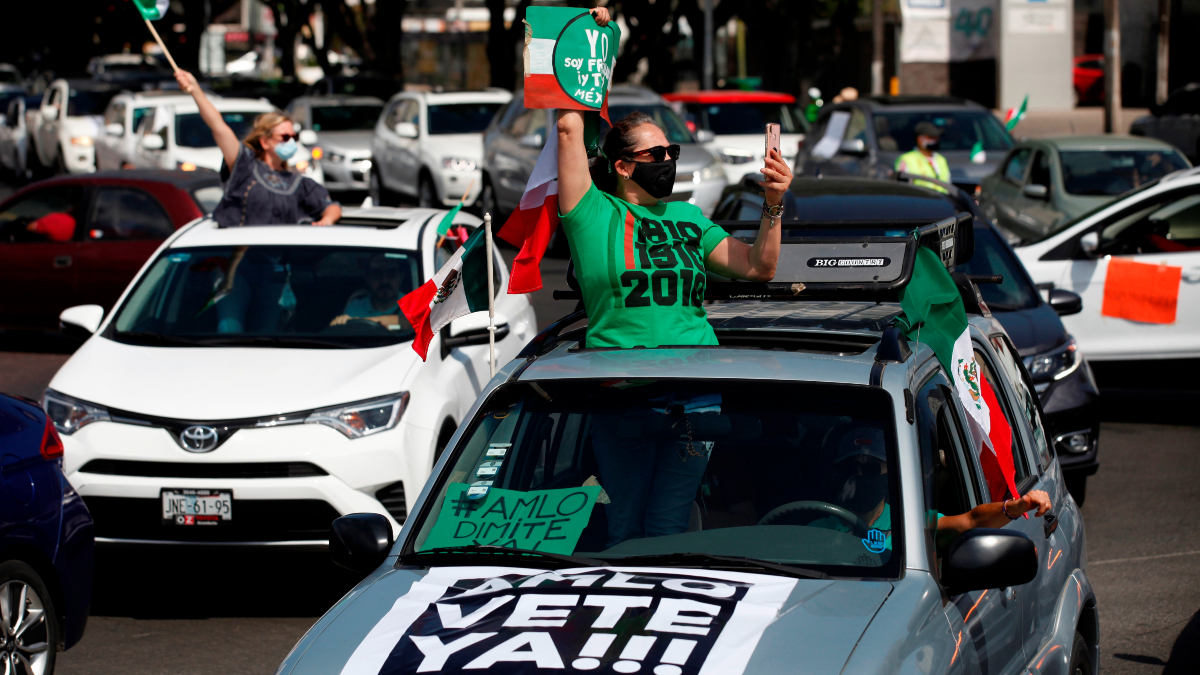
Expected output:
(380, 196)
(444, 436)
(1077, 486)
(426, 193)
(1081, 658)
(31, 630)
(60, 164)
(487, 202)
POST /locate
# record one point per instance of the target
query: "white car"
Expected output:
(67, 124)
(732, 126)
(172, 135)
(258, 418)
(14, 138)
(116, 148)
(428, 146)
(1159, 225)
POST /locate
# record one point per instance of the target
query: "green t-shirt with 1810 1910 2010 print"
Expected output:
(641, 270)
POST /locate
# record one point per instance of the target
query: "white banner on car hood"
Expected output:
(657, 620)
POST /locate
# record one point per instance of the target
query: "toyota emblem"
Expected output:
(198, 438)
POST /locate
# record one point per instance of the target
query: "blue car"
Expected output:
(46, 544)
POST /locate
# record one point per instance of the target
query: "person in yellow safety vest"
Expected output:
(923, 160)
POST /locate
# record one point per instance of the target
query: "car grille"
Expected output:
(120, 467)
(253, 520)
(392, 498)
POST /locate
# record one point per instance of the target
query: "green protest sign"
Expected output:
(540, 520)
(569, 58)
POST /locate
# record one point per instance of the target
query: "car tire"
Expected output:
(1081, 658)
(1077, 486)
(60, 164)
(426, 193)
(380, 196)
(444, 436)
(488, 204)
(37, 648)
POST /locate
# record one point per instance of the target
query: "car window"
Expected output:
(948, 476)
(461, 118)
(745, 118)
(115, 113)
(46, 215)
(675, 128)
(410, 112)
(530, 121)
(856, 129)
(1027, 406)
(1183, 102)
(127, 213)
(55, 96)
(514, 110)
(1007, 450)
(82, 102)
(1113, 172)
(1014, 169)
(138, 115)
(784, 471)
(275, 296)
(992, 256)
(1040, 173)
(13, 117)
(392, 116)
(208, 197)
(357, 117)
(192, 132)
(961, 129)
(1169, 225)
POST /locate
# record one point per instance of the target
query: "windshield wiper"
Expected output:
(270, 341)
(151, 338)
(491, 550)
(733, 560)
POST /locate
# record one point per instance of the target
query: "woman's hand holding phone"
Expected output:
(778, 177)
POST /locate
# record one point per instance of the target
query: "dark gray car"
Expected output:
(864, 137)
(1176, 121)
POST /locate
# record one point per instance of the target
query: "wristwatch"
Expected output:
(772, 212)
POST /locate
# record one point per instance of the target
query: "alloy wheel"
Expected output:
(24, 632)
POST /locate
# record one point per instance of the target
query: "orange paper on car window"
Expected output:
(1140, 291)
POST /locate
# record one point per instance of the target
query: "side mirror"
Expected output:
(986, 558)
(152, 142)
(532, 140)
(360, 541)
(81, 321)
(853, 146)
(1065, 302)
(472, 330)
(114, 129)
(50, 113)
(1090, 243)
(705, 136)
(308, 137)
(1036, 191)
(407, 130)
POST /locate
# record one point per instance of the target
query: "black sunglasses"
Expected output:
(659, 153)
(289, 137)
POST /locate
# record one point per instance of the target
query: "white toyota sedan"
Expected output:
(255, 383)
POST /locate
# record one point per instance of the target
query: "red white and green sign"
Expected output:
(569, 59)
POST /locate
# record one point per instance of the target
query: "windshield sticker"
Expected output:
(876, 541)
(650, 620)
(179, 257)
(540, 520)
(488, 469)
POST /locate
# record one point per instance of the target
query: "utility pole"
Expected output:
(708, 45)
(877, 57)
(1112, 67)
(1164, 51)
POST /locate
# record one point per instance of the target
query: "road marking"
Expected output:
(1147, 557)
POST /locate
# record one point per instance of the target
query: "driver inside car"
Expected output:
(384, 278)
(862, 465)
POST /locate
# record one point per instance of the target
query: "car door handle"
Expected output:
(1192, 274)
(62, 261)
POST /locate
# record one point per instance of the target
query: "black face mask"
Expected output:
(860, 494)
(656, 178)
(932, 146)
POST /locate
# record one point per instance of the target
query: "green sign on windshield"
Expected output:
(540, 520)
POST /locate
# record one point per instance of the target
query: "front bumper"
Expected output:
(79, 158)
(455, 183)
(1072, 407)
(119, 470)
(349, 174)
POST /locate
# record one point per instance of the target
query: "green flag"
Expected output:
(1015, 115)
(152, 10)
(444, 227)
(978, 156)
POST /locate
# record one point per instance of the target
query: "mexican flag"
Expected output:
(1015, 115)
(457, 289)
(978, 156)
(530, 226)
(448, 220)
(152, 10)
(934, 314)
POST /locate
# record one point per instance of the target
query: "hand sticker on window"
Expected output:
(875, 541)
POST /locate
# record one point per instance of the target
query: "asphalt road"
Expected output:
(199, 611)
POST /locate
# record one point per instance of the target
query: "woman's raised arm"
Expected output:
(574, 180)
(226, 140)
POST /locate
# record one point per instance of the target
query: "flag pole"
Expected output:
(160, 44)
(487, 226)
(460, 201)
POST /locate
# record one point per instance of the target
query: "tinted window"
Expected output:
(663, 116)
(9, 77)
(345, 117)
(115, 114)
(1027, 403)
(461, 118)
(138, 115)
(1165, 225)
(1113, 172)
(126, 213)
(527, 122)
(1040, 173)
(192, 132)
(88, 102)
(947, 475)
(992, 256)
(1014, 170)
(961, 130)
(745, 118)
(997, 487)
(48, 214)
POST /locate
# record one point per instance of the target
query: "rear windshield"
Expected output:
(461, 118)
(345, 117)
(192, 132)
(1114, 172)
(745, 118)
(633, 469)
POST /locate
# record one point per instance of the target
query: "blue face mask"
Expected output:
(287, 149)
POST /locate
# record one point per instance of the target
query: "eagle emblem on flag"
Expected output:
(447, 288)
(970, 375)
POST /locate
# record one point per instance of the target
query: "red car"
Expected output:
(78, 240)
(1089, 79)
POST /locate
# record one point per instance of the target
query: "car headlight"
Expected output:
(735, 156)
(81, 140)
(1054, 364)
(71, 414)
(331, 156)
(185, 166)
(363, 418)
(709, 172)
(317, 153)
(458, 163)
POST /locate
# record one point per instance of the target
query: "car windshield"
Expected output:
(993, 257)
(745, 118)
(664, 117)
(82, 102)
(9, 76)
(961, 130)
(273, 296)
(347, 117)
(640, 469)
(461, 118)
(1114, 172)
(192, 132)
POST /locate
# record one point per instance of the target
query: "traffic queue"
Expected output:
(809, 396)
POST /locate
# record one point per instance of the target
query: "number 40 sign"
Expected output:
(569, 59)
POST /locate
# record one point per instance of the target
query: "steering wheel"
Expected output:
(799, 513)
(356, 326)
